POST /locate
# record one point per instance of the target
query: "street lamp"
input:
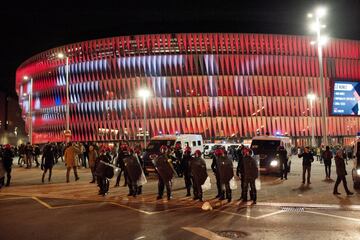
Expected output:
(312, 97)
(320, 41)
(144, 94)
(30, 96)
(67, 130)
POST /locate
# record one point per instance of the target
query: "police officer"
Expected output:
(215, 169)
(134, 171)
(185, 163)
(178, 158)
(165, 172)
(250, 175)
(198, 174)
(47, 161)
(123, 152)
(101, 171)
(226, 173)
(283, 158)
(308, 158)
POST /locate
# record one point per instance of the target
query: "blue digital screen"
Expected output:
(346, 99)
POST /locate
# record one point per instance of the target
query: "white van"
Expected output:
(194, 141)
(266, 147)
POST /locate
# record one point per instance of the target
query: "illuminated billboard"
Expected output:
(346, 99)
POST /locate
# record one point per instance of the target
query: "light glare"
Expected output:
(144, 93)
(61, 55)
(320, 12)
(311, 96)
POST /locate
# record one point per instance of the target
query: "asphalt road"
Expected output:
(285, 210)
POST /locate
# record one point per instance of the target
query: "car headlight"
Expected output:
(358, 171)
(274, 163)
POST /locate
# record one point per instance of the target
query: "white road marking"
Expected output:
(310, 205)
(334, 216)
(269, 214)
(205, 233)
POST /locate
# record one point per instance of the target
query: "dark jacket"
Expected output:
(340, 166)
(48, 156)
(251, 170)
(100, 168)
(308, 158)
(283, 155)
(7, 156)
(327, 156)
(185, 163)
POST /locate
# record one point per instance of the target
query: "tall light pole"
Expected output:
(320, 41)
(144, 94)
(311, 98)
(30, 97)
(67, 129)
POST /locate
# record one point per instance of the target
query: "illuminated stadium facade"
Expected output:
(218, 85)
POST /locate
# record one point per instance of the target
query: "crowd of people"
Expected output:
(122, 160)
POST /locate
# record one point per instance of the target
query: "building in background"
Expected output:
(218, 85)
(12, 126)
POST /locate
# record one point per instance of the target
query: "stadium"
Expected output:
(220, 85)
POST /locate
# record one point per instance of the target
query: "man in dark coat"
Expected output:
(308, 158)
(283, 158)
(7, 157)
(341, 173)
(134, 171)
(47, 160)
(327, 156)
(178, 158)
(226, 173)
(215, 169)
(123, 153)
(198, 174)
(185, 163)
(165, 172)
(101, 170)
(251, 173)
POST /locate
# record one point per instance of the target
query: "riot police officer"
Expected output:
(178, 158)
(226, 173)
(198, 174)
(103, 171)
(215, 169)
(165, 172)
(134, 171)
(250, 175)
(185, 163)
(283, 162)
(240, 168)
(123, 153)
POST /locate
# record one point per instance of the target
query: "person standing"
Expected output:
(37, 153)
(283, 157)
(251, 172)
(341, 173)
(226, 173)
(101, 171)
(215, 169)
(120, 164)
(178, 159)
(7, 158)
(2, 168)
(29, 154)
(308, 158)
(198, 174)
(47, 160)
(327, 156)
(134, 172)
(70, 161)
(165, 172)
(92, 155)
(240, 168)
(185, 166)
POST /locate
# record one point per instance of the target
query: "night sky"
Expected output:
(30, 29)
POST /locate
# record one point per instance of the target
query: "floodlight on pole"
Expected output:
(67, 128)
(312, 97)
(320, 42)
(30, 96)
(144, 94)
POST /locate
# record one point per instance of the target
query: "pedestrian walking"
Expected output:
(327, 156)
(47, 161)
(283, 158)
(7, 159)
(341, 173)
(71, 161)
(251, 172)
(92, 155)
(308, 158)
